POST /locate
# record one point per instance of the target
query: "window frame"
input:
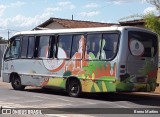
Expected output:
(72, 36)
(53, 38)
(58, 45)
(104, 32)
(29, 45)
(26, 48)
(79, 34)
(148, 33)
(37, 46)
(9, 48)
(117, 47)
(97, 59)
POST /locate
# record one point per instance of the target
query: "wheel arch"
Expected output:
(72, 78)
(12, 75)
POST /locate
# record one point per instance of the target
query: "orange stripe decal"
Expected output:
(58, 68)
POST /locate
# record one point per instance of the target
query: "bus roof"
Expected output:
(74, 30)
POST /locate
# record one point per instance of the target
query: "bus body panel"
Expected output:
(95, 75)
(140, 72)
(101, 80)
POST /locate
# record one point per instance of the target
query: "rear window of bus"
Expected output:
(142, 44)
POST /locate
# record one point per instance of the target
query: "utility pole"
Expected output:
(72, 16)
(8, 34)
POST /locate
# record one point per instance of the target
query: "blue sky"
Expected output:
(19, 15)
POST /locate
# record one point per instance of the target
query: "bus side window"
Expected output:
(43, 48)
(64, 46)
(94, 45)
(31, 47)
(109, 46)
(77, 47)
(24, 47)
(13, 50)
(52, 47)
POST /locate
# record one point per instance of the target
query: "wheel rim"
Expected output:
(17, 82)
(74, 89)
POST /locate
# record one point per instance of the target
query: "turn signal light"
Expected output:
(122, 66)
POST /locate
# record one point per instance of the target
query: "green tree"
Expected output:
(153, 23)
(2, 40)
(151, 20)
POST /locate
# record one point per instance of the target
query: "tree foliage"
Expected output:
(153, 23)
(155, 3)
(2, 40)
(151, 20)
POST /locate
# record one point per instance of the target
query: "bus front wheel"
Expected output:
(74, 88)
(16, 83)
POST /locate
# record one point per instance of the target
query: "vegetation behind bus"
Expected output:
(3, 40)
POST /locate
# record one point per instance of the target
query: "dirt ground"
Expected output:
(158, 81)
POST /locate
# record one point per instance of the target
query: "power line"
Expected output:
(8, 31)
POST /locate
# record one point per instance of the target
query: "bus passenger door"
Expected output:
(12, 53)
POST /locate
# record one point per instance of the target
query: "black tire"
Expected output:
(16, 83)
(74, 88)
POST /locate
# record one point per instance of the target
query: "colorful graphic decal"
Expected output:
(99, 76)
(44, 81)
(147, 81)
(55, 65)
(98, 79)
(77, 62)
(95, 76)
(136, 47)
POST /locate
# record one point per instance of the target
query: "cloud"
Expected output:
(17, 4)
(119, 1)
(53, 9)
(92, 5)
(3, 22)
(89, 14)
(67, 5)
(2, 9)
(143, 1)
(21, 21)
(150, 10)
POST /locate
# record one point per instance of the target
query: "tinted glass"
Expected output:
(31, 47)
(77, 46)
(43, 46)
(13, 50)
(24, 47)
(94, 45)
(64, 46)
(109, 46)
(145, 42)
(53, 47)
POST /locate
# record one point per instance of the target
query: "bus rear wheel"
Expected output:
(74, 88)
(16, 83)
